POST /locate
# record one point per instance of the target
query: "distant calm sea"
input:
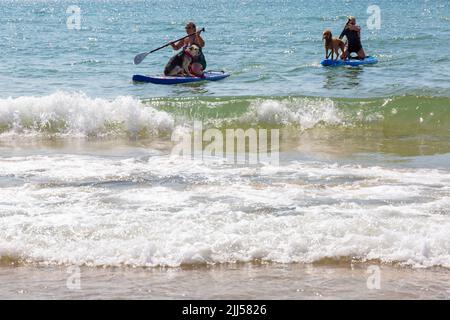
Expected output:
(85, 172)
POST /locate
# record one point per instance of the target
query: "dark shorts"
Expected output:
(354, 47)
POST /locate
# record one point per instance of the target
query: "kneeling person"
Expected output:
(353, 34)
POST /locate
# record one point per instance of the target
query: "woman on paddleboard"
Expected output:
(199, 64)
(353, 34)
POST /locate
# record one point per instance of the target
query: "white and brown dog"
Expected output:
(332, 44)
(181, 63)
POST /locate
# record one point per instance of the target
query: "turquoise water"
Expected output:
(270, 47)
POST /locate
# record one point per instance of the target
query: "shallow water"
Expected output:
(249, 282)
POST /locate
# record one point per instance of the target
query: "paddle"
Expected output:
(346, 40)
(140, 57)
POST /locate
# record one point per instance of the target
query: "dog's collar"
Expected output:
(186, 52)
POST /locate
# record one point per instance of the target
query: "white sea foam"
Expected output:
(303, 112)
(76, 114)
(158, 210)
(64, 114)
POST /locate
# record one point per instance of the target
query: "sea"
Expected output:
(357, 204)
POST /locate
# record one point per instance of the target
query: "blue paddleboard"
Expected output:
(209, 76)
(351, 62)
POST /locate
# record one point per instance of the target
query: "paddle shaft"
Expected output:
(140, 57)
(346, 40)
(168, 44)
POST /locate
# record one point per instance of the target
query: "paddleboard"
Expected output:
(351, 62)
(209, 76)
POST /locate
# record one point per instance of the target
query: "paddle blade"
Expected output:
(140, 57)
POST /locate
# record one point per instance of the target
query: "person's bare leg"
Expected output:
(361, 54)
(344, 55)
(197, 69)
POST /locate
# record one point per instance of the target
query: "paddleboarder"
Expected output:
(353, 34)
(199, 64)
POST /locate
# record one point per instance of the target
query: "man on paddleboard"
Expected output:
(199, 64)
(353, 34)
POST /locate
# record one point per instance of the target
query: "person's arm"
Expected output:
(344, 33)
(176, 46)
(199, 40)
(355, 28)
(179, 45)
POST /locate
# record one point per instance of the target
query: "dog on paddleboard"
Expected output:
(182, 63)
(332, 45)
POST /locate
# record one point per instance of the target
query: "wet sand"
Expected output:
(242, 281)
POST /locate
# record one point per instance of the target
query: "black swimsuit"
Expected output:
(354, 41)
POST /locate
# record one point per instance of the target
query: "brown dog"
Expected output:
(332, 44)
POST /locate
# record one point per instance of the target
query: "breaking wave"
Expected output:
(66, 114)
